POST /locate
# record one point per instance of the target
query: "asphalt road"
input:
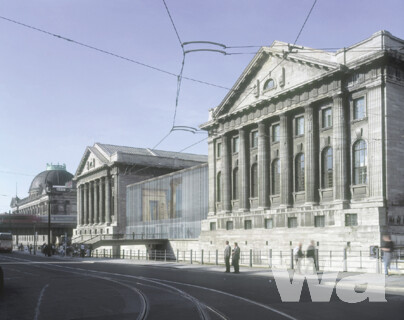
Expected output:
(38, 287)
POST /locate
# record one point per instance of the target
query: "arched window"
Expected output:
(276, 177)
(299, 170)
(219, 187)
(235, 184)
(327, 168)
(254, 180)
(269, 84)
(360, 162)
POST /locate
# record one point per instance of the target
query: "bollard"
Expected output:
(178, 253)
(191, 255)
(292, 266)
(270, 258)
(377, 261)
(251, 254)
(165, 255)
(217, 258)
(202, 256)
(317, 260)
(345, 261)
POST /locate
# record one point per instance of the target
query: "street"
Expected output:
(38, 287)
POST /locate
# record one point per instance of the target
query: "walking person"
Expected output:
(311, 257)
(227, 253)
(298, 255)
(387, 248)
(235, 258)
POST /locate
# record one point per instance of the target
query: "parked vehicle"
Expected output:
(6, 242)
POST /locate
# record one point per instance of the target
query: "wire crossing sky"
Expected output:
(102, 71)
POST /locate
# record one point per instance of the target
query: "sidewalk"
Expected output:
(394, 284)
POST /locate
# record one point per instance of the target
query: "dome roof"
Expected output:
(56, 177)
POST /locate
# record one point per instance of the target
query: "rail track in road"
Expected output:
(145, 287)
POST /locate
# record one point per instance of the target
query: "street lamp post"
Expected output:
(49, 192)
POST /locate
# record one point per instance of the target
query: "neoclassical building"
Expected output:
(103, 175)
(308, 145)
(30, 214)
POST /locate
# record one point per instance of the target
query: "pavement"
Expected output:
(393, 284)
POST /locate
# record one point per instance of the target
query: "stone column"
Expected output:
(340, 149)
(107, 200)
(286, 161)
(90, 202)
(101, 201)
(96, 203)
(85, 204)
(263, 166)
(116, 197)
(226, 173)
(310, 156)
(79, 205)
(212, 175)
(244, 172)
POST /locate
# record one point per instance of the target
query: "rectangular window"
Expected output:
(235, 144)
(269, 223)
(254, 139)
(351, 219)
(327, 118)
(300, 126)
(229, 225)
(292, 222)
(219, 150)
(359, 111)
(212, 226)
(276, 131)
(247, 224)
(319, 221)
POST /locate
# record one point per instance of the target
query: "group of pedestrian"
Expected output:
(235, 257)
(311, 259)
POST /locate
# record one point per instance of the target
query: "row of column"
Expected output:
(311, 152)
(94, 202)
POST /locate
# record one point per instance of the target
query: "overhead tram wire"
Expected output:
(111, 53)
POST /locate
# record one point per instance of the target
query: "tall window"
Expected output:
(276, 177)
(219, 187)
(219, 149)
(235, 184)
(299, 169)
(299, 126)
(359, 111)
(276, 131)
(254, 139)
(360, 162)
(254, 180)
(327, 168)
(327, 118)
(235, 144)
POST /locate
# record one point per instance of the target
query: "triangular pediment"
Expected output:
(273, 71)
(92, 160)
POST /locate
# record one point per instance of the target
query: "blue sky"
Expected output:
(57, 97)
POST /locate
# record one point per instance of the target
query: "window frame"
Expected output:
(235, 184)
(326, 122)
(359, 173)
(247, 224)
(351, 219)
(218, 149)
(235, 144)
(254, 139)
(219, 186)
(292, 225)
(299, 124)
(325, 170)
(319, 221)
(354, 108)
(212, 226)
(254, 180)
(228, 223)
(300, 183)
(276, 128)
(266, 223)
(276, 178)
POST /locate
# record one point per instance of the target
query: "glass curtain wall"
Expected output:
(168, 207)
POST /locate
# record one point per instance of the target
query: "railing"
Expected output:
(343, 260)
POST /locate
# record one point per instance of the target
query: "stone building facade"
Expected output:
(30, 214)
(308, 145)
(104, 173)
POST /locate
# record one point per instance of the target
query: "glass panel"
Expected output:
(276, 133)
(359, 108)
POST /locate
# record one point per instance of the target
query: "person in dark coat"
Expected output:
(235, 258)
(387, 248)
(311, 257)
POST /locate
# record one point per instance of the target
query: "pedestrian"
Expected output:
(387, 248)
(30, 249)
(227, 253)
(298, 255)
(311, 257)
(235, 258)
